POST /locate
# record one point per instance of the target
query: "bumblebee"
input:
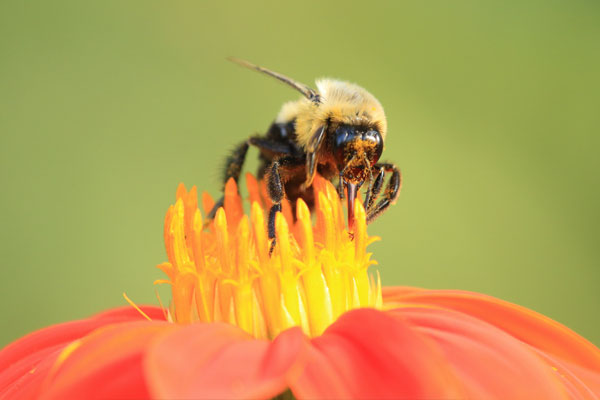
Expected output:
(337, 131)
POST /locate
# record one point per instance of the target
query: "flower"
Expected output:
(306, 321)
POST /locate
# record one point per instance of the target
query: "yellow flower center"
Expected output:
(225, 272)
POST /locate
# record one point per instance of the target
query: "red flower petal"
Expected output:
(539, 331)
(369, 354)
(107, 363)
(19, 360)
(489, 362)
(220, 361)
(27, 385)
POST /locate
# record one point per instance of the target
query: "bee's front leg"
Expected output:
(390, 195)
(374, 189)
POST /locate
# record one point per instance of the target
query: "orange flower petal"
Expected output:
(490, 363)
(527, 325)
(25, 361)
(552, 339)
(369, 354)
(106, 364)
(220, 361)
(572, 377)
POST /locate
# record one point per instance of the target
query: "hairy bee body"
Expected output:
(337, 131)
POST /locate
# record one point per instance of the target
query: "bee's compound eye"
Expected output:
(374, 137)
(344, 135)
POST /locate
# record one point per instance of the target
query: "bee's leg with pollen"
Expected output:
(280, 171)
(233, 169)
(374, 189)
(390, 194)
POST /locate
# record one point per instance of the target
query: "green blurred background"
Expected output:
(493, 111)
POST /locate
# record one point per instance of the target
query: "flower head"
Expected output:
(307, 319)
(225, 273)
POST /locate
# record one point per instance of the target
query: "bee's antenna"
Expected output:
(308, 92)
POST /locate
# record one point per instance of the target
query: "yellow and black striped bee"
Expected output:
(338, 131)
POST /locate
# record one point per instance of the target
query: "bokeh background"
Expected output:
(493, 110)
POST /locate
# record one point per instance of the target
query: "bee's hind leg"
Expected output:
(233, 169)
(390, 194)
(285, 166)
(233, 164)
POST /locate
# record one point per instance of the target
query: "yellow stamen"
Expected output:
(131, 303)
(224, 272)
(162, 307)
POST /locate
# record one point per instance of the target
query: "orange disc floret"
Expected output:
(225, 272)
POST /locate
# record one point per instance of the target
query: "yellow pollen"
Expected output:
(224, 272)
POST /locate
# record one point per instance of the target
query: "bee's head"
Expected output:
(356, 149)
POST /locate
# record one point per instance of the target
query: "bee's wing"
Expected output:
(310, 93)
(315, 139)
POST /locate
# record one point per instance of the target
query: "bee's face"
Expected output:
(356, 150)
